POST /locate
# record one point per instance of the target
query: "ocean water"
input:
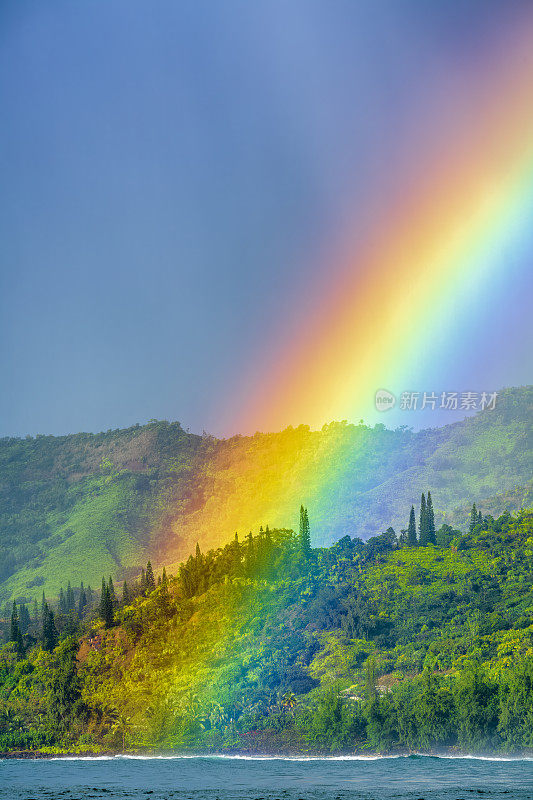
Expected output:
(249, 778)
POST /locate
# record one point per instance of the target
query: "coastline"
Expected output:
(303, 755)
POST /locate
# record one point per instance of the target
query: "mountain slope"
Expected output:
(77, 506)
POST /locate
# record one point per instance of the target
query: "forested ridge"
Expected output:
(418, 639)
(87, 504)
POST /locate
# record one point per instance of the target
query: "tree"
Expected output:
(516, 706)
(106, 607)
(430, 523)
(476, 701)
(289, 701)
(236, 554)
(70, 598)
(423, 524)
(15, 635)
(473, 519)
(24, 618)
(112, 594)
(370, 679)
(411, 530)
(433, 712)
(49, 637)
(149, 577)
(121, 725)
(82, 605)
(250, 560)
(65, 687)
(102, 608)
(62, 602)
(125, 594)
(305, 533)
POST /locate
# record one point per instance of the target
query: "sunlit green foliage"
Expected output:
(254, 646)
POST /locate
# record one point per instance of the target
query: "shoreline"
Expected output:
(35, 755)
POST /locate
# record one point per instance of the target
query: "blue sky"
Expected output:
(171, 173)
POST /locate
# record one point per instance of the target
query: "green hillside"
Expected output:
(86, 504)
(268, 646)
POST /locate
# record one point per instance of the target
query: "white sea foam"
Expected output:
(299, 758)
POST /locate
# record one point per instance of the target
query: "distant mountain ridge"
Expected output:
(83, 505)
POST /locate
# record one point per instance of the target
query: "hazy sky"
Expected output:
(173, 174)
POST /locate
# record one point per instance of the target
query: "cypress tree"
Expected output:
(236, 554)
(268, 544)
(473, 519)
(24, 619)
(14, 635)
(90, 597)
(411, 530)
(112, 595)
(423, 524)
(125, 594)
(149, 577)
(102, 608)
(431, 536)
(82, 605)
(250, 552)
(164, 596)
(480, 518)
(107, 607)
(35, 612)
(305, 534)
(62, 602)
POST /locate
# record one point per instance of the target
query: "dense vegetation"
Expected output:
(416, 640)
(88, 504)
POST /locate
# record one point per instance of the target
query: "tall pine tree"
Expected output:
(411, 530)
(431, 536)
(15, 634)
(305, 533)
(24, 619)
(82, 605)
(103, 591)
(250, 553)
(473, 519)
(149, 578)
(112, 595)
(49, 636)
(107, 612)
(423, 524)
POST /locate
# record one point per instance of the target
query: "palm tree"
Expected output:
(122, 726)
(289, 701)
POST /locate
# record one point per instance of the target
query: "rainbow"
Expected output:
(399, 307)
(409, 292)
